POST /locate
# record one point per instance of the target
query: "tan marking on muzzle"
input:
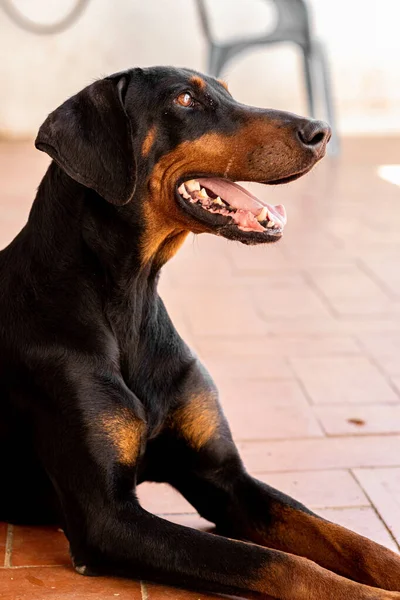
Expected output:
(261, 149)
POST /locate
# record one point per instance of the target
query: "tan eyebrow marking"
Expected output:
(224, 84)
(196, 80)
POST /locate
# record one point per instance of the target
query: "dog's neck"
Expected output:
(73, 225)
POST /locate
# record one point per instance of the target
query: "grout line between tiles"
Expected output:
(380, 284)
(32, 567)
(375, 509)
(178, 514)
(374, 361)
(144, 591)
(381, 519)
(9, 545)
(342, 467)
(325, 301)
(281, 441)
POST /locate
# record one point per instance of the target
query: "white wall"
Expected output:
(38, 72)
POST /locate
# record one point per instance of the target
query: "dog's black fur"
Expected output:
(97, 390)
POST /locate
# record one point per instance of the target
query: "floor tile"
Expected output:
(321, 453)
(191, 265)
(62, 583)
(317, 255)
(253, 419)
(257, 259)
(383, 489)
(346, 284)
(387, 273)
(333, 325)
(160, 498)
(161, 592)
(3, 540)
(274, 280)
(194, 521)
(280, 303)
(385, 349)
(364, 521)
(39, 546)
(222, 311)
(350, 380)
(273, 346)
(249, 367)
(359, 419)
(319, 489)
(396, 382)
(378, 306)
(261, 393)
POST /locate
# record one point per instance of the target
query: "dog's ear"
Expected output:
(90, 138)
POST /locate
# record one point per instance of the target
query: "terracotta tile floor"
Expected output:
(303, 339)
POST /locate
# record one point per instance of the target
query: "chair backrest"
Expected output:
(293, 16)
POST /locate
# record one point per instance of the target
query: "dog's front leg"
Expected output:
(244, 508)
(91, 445)
(273, 519)
(126, 540)
(210, 474)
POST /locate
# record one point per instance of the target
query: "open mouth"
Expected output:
(230, 203)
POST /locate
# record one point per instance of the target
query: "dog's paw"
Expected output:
(83, 569)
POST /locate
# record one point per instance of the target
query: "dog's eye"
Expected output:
(185, 100)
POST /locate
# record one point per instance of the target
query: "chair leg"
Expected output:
(310, 82)
(323, 68)
(218, 56)
(212, 61)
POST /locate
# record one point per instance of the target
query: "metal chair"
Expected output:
(293, 25)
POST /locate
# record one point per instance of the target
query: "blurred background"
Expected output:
(361, 39)
(302, 338)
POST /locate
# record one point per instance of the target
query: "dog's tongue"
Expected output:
(240, 199)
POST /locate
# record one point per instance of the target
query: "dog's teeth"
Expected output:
(271, 224)
(203, 193)
(263, 214)
(183, 192)
(192, 185)
(218, 200)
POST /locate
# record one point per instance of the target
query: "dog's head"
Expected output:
(172, 143)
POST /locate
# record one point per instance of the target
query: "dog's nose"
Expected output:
(314, 134)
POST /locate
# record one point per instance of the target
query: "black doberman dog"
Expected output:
(98, 391)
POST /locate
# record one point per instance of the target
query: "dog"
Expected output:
(99, 393)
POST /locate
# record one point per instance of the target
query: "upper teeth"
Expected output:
(263, 216)
(192, 186)
(183, 192)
